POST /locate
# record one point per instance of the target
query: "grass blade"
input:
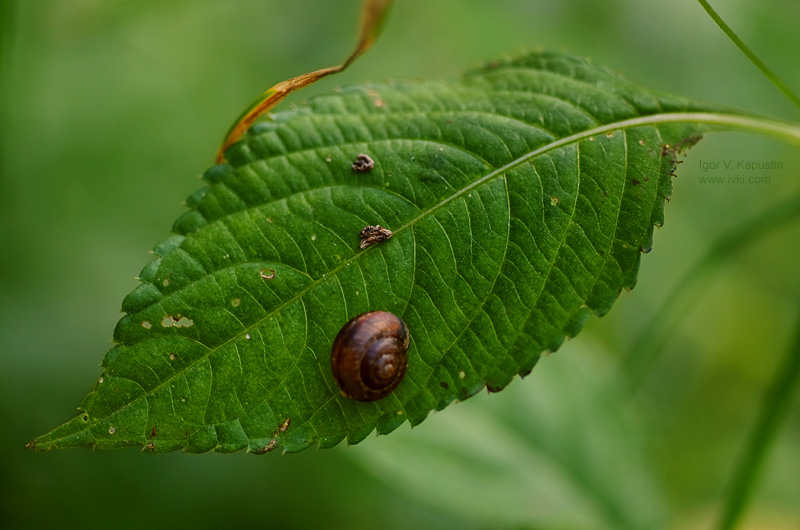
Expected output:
(773, 412)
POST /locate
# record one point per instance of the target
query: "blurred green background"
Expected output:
(110, 108)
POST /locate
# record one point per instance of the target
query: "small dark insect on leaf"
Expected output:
(282, 427)
(285, 424)
(372, 235)
(260, 450)
(363, 164)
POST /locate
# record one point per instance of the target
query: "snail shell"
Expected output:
(368, 357)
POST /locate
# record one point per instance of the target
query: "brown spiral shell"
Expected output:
(368, 358)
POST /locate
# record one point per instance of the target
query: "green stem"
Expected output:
(784, 131)
(643, 352)
(774, 79)
(773, 411)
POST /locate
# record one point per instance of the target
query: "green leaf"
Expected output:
(517, 211)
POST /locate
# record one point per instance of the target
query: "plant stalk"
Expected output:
(772, 76)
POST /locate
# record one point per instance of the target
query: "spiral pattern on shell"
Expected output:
(368, 357)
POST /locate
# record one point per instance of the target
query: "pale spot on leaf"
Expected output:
(177, 322)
